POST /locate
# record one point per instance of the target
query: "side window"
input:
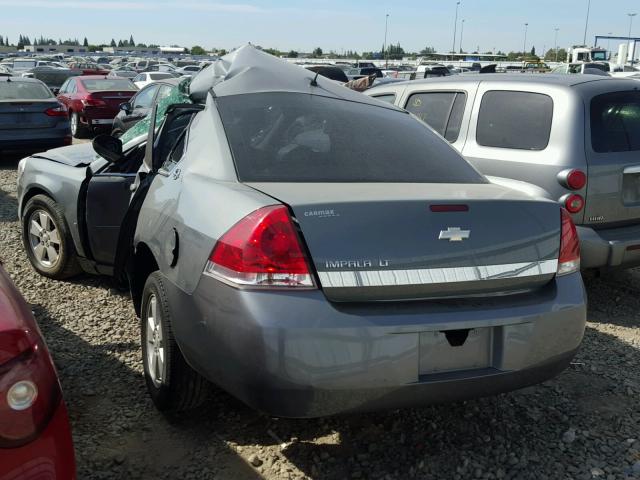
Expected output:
(519, 120)
(65, 85)
(139, 78)
(145, 97)
(442, 111)
(172, 140)
(71, 88)
(386, 97)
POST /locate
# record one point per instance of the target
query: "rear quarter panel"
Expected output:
(565, 149)
(200, 199)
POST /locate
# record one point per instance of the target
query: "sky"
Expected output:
(330, 24)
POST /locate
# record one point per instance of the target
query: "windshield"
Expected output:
(599, 56)
(108, 85)
(24, 91)
(292, 137)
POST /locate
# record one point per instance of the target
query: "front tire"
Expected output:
(47, 239)
(172, 384)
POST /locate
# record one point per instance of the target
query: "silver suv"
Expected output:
(575, 139)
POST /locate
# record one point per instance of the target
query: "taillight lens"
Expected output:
(261, 250)
(576, 179)
(59, 111)
(569, 258)
(29, 395)
(573, 202)
(93, 102)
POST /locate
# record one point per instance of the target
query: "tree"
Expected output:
(86, 42)
(533, 51)
(131, 42)
(550, 56)
(198, 50)
(272, 51)
(113, 43)
(120, 43)
(317, 52)
(292, 54)
(427, 50)
(1, 41)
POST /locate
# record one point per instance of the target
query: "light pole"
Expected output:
(609, 43)
(524, 48)
(633, 49)
(384, 46)
(556, 43)
(586, 24)
(455, 29)
(461, 34)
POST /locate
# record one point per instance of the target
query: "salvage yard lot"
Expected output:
(584, 424)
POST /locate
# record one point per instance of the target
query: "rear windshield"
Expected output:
(108, 85)
(291, 137)
(24, 91)
(615, 122)
(160, 76)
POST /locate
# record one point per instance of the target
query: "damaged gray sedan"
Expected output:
(310, 250)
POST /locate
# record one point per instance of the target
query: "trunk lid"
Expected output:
(613, 158)
(27, 114)
(113, 100)
(384, 242)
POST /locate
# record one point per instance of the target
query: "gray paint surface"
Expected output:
(608, 224)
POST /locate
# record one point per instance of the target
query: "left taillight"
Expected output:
(29, 395)
(569, 258)
(261, 250)
(59, 111)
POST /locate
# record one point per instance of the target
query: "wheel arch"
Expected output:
(32, 192)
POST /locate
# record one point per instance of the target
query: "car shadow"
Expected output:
(605, 295)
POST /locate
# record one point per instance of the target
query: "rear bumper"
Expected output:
(609, 248)
(294, 354)
(98, 118)
(48, 456)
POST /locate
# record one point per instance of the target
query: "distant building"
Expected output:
(133, 50)
(54, 49)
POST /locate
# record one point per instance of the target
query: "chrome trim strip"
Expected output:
(431, 276)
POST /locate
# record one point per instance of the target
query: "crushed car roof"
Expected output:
(249, 70)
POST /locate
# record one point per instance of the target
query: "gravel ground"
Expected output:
(582, 425)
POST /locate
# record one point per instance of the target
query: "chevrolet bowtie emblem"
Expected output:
(454, 234)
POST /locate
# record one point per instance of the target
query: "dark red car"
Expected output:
(35, 436)
(93, 101)
(87, 68)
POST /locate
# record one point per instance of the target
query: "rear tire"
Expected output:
(77, 130)
(172, 384)
(47, 239)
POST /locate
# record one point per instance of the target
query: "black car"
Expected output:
(141, 103)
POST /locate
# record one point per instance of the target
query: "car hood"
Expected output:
(73, 155)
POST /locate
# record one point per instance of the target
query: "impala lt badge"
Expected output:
(454, 234)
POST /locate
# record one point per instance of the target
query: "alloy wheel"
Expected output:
(155, 343)
(44, 239)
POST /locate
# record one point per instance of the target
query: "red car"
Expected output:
(93, 101)
(35, 436)
(88, 68)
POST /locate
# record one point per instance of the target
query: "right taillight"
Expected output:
(569, 258)
(261, 250)
(572, 202)
(29, 395)
(573, 179)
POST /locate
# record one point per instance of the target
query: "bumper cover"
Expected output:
(609, 248)
(294, 354)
